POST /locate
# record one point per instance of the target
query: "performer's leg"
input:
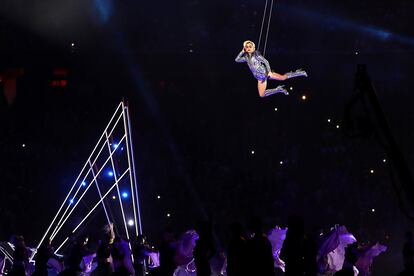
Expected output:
(261, 86)
(276, 76)
(288, 75)
(263, 92)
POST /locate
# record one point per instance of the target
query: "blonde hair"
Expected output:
(247, 42)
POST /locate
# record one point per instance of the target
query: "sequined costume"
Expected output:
(259, 66)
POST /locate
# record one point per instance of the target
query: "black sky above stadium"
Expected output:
(196, 114)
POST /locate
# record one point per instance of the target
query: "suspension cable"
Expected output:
(268, 27)
(261, 28)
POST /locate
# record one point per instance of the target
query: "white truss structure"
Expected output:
(112, 153)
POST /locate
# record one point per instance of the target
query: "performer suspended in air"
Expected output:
(260, 68)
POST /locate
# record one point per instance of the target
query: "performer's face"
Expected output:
(249, 48)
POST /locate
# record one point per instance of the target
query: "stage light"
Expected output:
(337, 126)
(275, 108)
(72, 44)
(168, 215)
(371, 171)
(384, 160)
(113, 197)
(125, 194)
(23, 145)
(72, 201)
(252, 152)
(83, 183)
(115, 146)
(110, 173)
(356, 53)
(329, 120)
(373, 210)
(158, 196)
(281, 162)
(131, 222)
(304, 98)
(291, 88)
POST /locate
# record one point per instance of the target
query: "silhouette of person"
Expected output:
(259, 251)
(103, 256)
(122, 258)
(408, 255)
(236, 252)
(204, 249)
(77, 250)
(167, 253)
(20, 256)
(43, 255)
(298, 252)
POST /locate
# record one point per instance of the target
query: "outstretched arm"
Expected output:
(240, 57)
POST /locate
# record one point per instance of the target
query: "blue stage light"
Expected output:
(336, 22)
(104, 9)
(110, 173)
(72, 201)
(125, 194)
(83, 183)
(115, 146)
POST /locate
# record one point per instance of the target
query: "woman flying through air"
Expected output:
(260, 68)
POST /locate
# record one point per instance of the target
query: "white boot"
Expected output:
(297, 73)
(276, 90)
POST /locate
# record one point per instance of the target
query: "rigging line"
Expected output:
(261, 29)
(268, 26)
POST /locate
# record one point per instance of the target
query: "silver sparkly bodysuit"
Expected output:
(259, 66)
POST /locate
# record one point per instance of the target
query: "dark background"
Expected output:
(196, 115)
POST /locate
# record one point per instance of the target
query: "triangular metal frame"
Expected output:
(120, 116)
